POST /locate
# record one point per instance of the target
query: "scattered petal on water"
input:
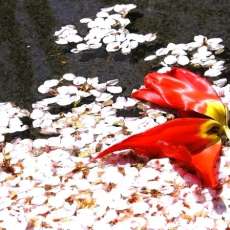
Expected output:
(164, 69)
(212, 72)
(150, 57)
(183, 60)
(114, 89)
(113, 46)
(43, 89)
(69, 76)
(79, 80)
(85, 20)
(171, 59)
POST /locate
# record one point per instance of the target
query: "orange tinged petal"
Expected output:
(204, 163)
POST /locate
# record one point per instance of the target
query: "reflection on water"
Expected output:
(15, 66)
(29, 55)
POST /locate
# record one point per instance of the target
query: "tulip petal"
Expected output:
(198, 82)
(183, 90)
(187, 140)
(177, 93)
(149, 95)
(204, 163)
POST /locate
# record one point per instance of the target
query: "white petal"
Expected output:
(124, 22)
(4, 121)
(164, 69)
(179, 51)
(100, 87)
(104, 97)
(116, 17)
(43, 89)
(98, 22)
(64, 90)
(110, 21)
(93, 41)
(133, 44)
(193, 45)
(92, 24)
(51, 83)
(95, 93)
(170, 59)
(102, 14)
(109, 39)
(120, 103)
(126, 50)
(75, 51)
(209, 63)
(214, 41)
(107, 9)
(85, 20)
(150, 58)
(120, 8)
(36, 114)
(95, 46)
(82, 46)
(69, 76)
(219, 49)
(93, 81)
(74, 38)
(130, 102)
(162, 51)
(61, 41)
(113, 46)
(136, 37)
(171, 46)
(120, 37)
(212, 72)
(114, 89)
(79, 80)
(112, 82)
(64, 100)
(150, 37)
(2, 138)
(183, 60)
(221, 82)
(199, 39)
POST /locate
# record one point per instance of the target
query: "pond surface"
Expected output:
(29, 54)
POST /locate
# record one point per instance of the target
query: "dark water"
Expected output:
(28, 54)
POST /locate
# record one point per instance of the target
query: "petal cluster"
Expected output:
(193, 141)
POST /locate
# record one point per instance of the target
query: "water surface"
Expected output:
(28, 54)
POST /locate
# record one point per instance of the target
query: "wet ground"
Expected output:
(28, 54)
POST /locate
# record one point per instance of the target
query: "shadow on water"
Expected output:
(41, 16)
(15, 64)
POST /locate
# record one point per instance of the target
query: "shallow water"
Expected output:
(29, 55)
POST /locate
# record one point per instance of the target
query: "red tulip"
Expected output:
(195, 142)
(183, 90)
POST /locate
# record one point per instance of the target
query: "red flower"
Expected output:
(195, 142)
(200, 150)
(183, 90)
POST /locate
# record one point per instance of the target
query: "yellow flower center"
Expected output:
(212, 130)
(219, 112)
